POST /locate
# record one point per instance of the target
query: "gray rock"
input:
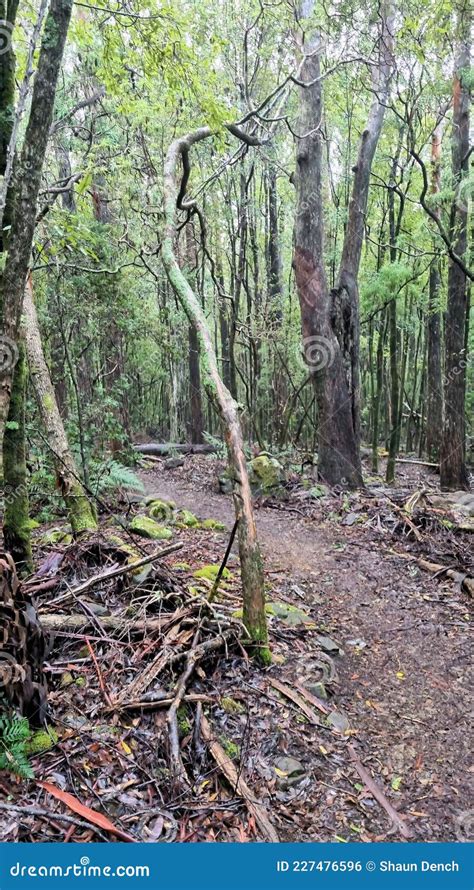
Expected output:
(289, 771)
(173, 463)
(329, 645)
(317, 689)
(338, 721)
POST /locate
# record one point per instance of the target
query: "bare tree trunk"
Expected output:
(453, 449)
(339, 458)
(195, 400)
(16, 527)
(346, 295)
(434, 394)
(80, 510)
(250, 557)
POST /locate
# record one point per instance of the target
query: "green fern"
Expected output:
(108, 476)
(14, 736)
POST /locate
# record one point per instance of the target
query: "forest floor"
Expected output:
(386, 755)
(405, 678)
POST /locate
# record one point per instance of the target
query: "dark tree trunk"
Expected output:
(339, 459)
(27, 182)
(434, 394)
(346, 294)
(453, 449)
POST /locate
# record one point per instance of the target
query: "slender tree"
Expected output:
(453, 449)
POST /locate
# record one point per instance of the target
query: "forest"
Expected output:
(236, 421)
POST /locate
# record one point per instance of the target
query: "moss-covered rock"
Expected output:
(266, 473)
(288, 614)
(231, 749)
(56, 536)
(181, 566)
(231, 706)
(41, 741)
(187, 519)
(148, 528)
(160, 509)
(210, 572)
(214, 525)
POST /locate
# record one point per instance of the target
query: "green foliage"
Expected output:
(111, 476)
(14, 736)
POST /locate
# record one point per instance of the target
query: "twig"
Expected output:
(114, 573)
(238, 784)
(379, 796)
(223, 564)
(151, 704)
(461, 578)
(406, 519)
(178, 770)
(106, 695)
(47, 814)
(296, 699)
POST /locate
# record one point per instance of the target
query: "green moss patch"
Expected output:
(210, 572)
(148, 528)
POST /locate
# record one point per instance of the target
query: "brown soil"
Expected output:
(406, 688)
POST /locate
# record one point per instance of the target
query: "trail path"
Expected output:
(407, 688)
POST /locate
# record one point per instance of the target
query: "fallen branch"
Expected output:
(296, 699)
(461, 578)
(53, 621)
(152, 704)
(51, 817)
(379, 796)
(163, 449)
(313, 698)
(114, 573)
(238, 784)
(178, 771)
(401, 512)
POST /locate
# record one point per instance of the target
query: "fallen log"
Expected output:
(53, 622)
(162, 449)
(238, 784)
(463, 579)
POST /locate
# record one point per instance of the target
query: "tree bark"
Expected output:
(251, 565)
(453, 449)
(338, 457)
(195, 399)
(79, 508)
(346, 295)
(27, 184)
(16, 526)
(434, 385)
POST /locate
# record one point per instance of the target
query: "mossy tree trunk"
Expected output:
(80, 510)
(251, 564)
(27, 185)
(16, 524)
